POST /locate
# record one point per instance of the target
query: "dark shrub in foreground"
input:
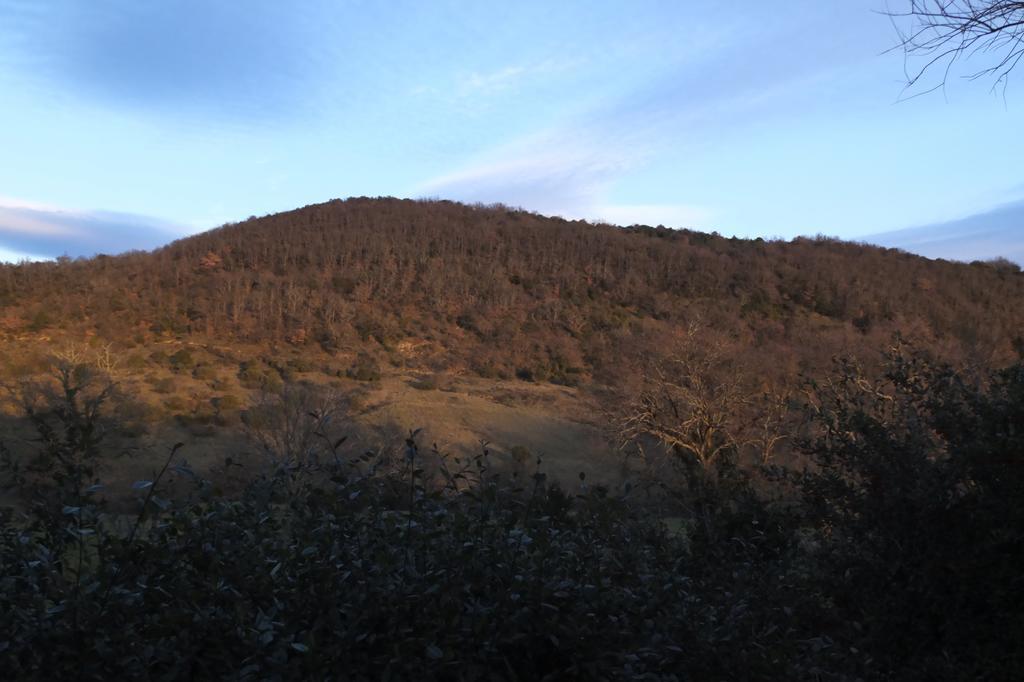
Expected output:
(897, 557)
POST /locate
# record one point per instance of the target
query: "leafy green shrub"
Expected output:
(134, 417)
(917, 498)
(205, 373)
(182, 360)
(342, 579)
(39, 321)
(227, 403)
(176, 403)
(165, 385)
(368, 573)
(272, 382)
(484, 369)
(220, 383)
(250, 374)
(526, 374)
(568, 376)
(365, 368)
(521, 458)
(199, 425)
(135, 362)
(357, 402)
(899, 559)
(258, 376)
(301, 365)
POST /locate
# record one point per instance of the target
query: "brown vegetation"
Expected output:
(439, 286)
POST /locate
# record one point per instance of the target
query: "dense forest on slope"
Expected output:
(505, 293)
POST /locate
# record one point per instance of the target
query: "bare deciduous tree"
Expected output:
(70, 355)
(936, 34)
(769, 426)
(107, 359)
(705, 410)
(296, 427)
(694, 404)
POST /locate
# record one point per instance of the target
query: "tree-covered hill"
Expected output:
(506, 293)
(224, 388)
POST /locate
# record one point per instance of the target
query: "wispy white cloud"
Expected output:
(32, 230)
(8, 256)
(14, 202)
(543, 173)
(511, 77)
(477, 90)
(578, 168)
(489, 83)
(568, 175)
(29, 222)
(998, 233)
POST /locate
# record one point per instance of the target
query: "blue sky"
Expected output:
(126, 123)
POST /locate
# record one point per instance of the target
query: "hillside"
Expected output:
(485, 303)
(428, 438)
(498, 292)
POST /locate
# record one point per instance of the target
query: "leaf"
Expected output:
(302, 648)
(434, 652)
(141, 485)
(71, 511)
